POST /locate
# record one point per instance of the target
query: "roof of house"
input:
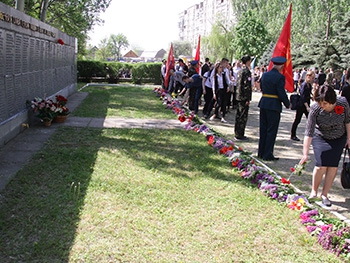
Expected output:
(153, 54)
(130, 54)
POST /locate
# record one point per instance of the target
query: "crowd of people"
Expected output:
(324, 101)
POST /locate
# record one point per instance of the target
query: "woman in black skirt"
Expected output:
(328, 129)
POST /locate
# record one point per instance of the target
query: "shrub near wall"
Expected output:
(147, 73)
(88, 69)
(92, 70)
(142, 73)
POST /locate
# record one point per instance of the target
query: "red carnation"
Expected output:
(182, 118)
(235, 162)
(60, 41)
(211, 139)
(285, 181)
(223, 150)
(338, 109)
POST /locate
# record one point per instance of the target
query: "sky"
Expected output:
(149, 25)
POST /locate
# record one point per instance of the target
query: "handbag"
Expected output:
(295, 101)
(345, 172)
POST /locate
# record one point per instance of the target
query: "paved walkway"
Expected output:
(15, 154)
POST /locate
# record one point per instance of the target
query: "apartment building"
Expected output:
(199, 19)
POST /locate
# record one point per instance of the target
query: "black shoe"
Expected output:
(272, 159)
(244, 138)
(295, 138)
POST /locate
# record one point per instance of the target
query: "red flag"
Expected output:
(198, 53)
(283, 49)
(170, 64)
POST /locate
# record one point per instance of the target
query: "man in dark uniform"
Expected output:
(243, 98)
(273, 93)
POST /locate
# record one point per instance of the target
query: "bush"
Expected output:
(147, 73)
(111, 71)
(88, 69)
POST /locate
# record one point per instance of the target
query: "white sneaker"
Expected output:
(326, 201)
(212, 118)
(223, 120)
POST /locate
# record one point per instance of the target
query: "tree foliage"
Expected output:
(319, 28)
(73, 17)
(217, 44)
(250, 36)
(115, 44)
(182, 48)
(103, 52)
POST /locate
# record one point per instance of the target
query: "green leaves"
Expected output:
(250, 36)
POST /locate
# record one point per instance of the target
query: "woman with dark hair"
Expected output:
(345, 91)
(219, 87)
(305, 91)
(328, 129)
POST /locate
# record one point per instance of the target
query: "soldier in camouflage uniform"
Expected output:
(243, 97)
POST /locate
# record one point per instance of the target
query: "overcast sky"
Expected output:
(150, 25)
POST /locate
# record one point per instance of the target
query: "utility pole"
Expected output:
(20, 5)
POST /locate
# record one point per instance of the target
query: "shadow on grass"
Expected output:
(40, 208)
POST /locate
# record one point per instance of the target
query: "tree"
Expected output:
(103, 52)
(342, 40)
(116, 43)
(250, 36)
(218, 42)
(182, 48)
(75, 17)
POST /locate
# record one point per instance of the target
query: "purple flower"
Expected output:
(311, 229)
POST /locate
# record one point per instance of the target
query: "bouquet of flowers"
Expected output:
(61, 109)
(44, 108)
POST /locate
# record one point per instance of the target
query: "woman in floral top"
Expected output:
(328, 129)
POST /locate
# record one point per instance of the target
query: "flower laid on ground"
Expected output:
(44, 108)
(298, 203)
(332, 233)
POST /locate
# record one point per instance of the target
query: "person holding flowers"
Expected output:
(328, 130)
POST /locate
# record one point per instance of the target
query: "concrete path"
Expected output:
(15, 154)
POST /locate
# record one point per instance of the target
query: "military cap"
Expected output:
(278, 60)
(194, 62)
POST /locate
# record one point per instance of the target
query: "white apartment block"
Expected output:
(199, 19)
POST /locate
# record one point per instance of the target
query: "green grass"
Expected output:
(133, 195)
(122, 101)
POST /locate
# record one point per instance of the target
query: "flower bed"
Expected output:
(332, 233)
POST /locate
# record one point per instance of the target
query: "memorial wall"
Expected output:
(37, 60)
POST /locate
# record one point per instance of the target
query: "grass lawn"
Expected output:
(133, 195)
(122, 101)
